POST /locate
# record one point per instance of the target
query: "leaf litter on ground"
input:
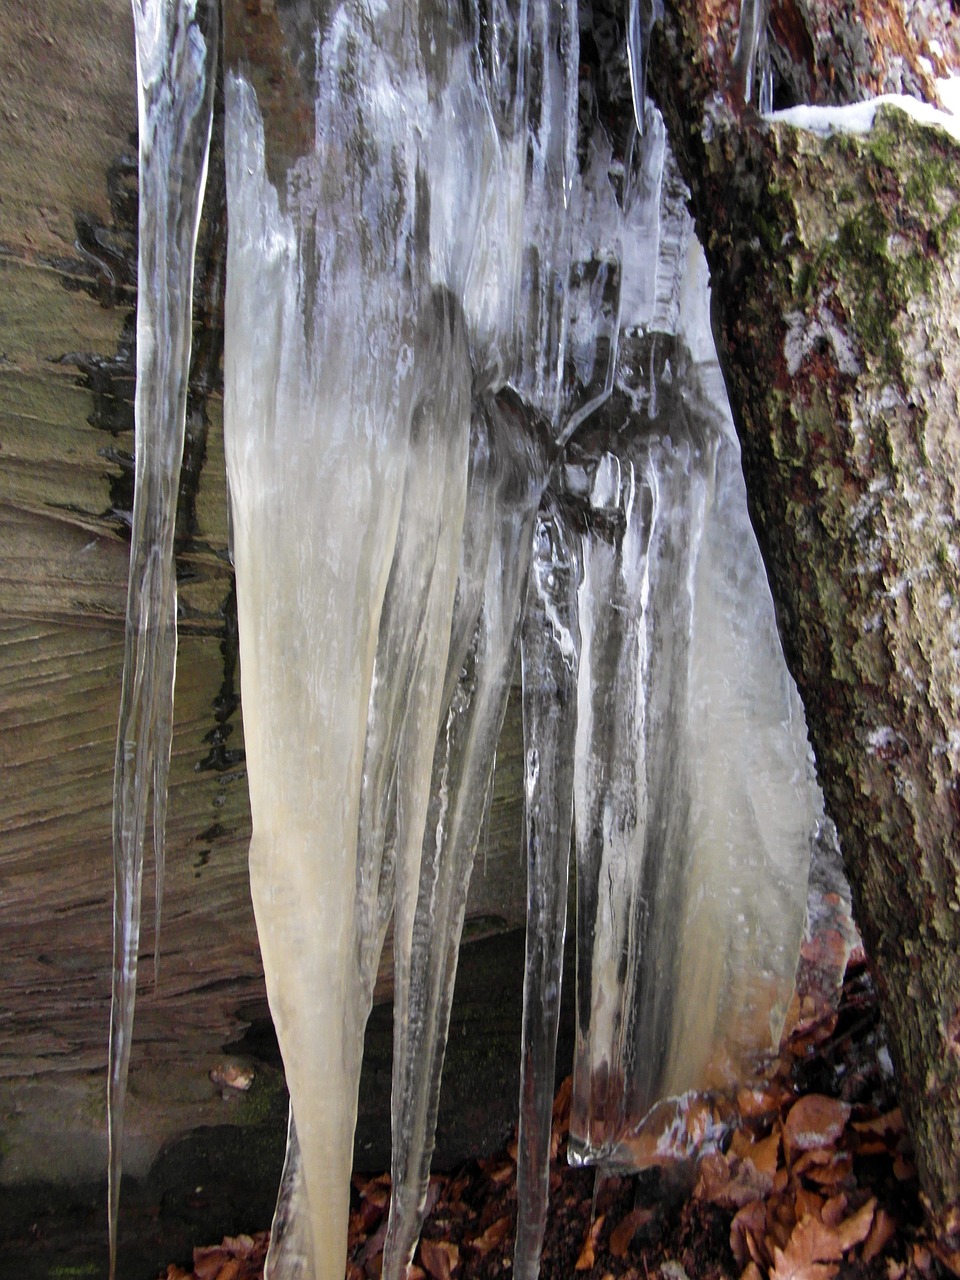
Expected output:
(815, 1181)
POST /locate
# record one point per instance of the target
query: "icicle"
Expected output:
(642, 17)
(691, 872)
(751, 35)
(504, 490)
(549, 658)
(176, 56)
(631, 779)
(345, 424)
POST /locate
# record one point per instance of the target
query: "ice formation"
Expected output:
(176, 44)
(472, 409)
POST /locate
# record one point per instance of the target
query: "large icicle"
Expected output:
(335, 349)
(550, 654)
(696, 806)
(176, 44)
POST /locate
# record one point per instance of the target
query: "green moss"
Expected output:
(891, 212)
(265, 1102)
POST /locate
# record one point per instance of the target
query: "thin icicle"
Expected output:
(503, 496)
(751, 35)
(549, 658)
(176, 57)
(642, 17)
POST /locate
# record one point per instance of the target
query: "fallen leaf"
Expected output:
(492, 1237)
(921, 1258)
(748, 1223)
(808, 1255)
(764, 1154)
(758, 1104)
(588, 1252)
(881, 1233)
(621, 1237)
(833, 1211)
(751, 1272)
(949, 1257)
(208, 1261)
(241, 1246)
(891, 1122)
(439, 1258)
(808, 1203)
(814, 1121)
(233, 1075)
(832, 1173)
(856, 1228)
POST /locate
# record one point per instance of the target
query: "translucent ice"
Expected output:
(466, 337)
(695, 801)
(176, 59)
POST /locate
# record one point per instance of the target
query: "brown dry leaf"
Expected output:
(588, 1252)
(814, 1121)
(891, 1122)
(621, 1237)
(834, 1210)
(949, 1257)
(813, 1243)
(751, 1272)
(492, 1237)
(750, 1220)
(808, 1203)
(764, 1155)
(758, 1104)
(740, 1143)
(240, 1246)
(500, 1174)
(810, 1253)
(713, 1178)
(833, 1173)
(208, 1261)
(561, 1103)
(856, 1228)
(230, 1270)
(440, 1258)
(757, 1248)
(177, 1273)
(375, 1192)
(881, 1233)
(233, 1075)
(921, 1258)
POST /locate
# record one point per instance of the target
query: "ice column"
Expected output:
(550, 655)
(176, 59)
(346, 418)
(695, 801)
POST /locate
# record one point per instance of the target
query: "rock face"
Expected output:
(67, 294)
(836, 286)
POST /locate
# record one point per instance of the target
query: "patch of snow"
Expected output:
(858, 117)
